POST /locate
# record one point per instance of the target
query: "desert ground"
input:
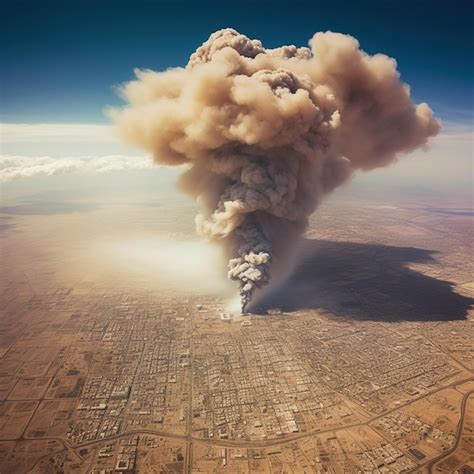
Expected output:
(118, 352)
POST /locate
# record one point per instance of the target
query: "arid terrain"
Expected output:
(362, 360)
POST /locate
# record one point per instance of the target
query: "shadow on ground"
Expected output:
(366, 281)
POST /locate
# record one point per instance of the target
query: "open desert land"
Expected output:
(361, 360)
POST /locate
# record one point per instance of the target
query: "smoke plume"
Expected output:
(267, 133)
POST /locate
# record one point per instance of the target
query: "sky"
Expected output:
(61, 61)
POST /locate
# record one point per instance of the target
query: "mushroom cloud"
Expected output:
(266, 134)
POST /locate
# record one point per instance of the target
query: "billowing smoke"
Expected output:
(267, 133)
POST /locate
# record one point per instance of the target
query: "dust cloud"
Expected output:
(266, 134)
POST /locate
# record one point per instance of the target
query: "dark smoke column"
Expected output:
(251, 267)
(265, 134)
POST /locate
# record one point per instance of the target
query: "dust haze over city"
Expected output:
(236, 238)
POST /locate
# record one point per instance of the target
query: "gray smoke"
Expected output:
(267, 133)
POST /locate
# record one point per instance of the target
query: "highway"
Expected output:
(189, 438)
(431, 464)
(189, 416)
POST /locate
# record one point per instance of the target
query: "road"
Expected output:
(190, 439)
(189, 416)
(459, 431)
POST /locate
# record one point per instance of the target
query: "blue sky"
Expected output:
(61, 60)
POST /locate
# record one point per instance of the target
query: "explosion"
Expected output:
(265, 134)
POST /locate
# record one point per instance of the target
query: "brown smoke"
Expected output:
(267, 133)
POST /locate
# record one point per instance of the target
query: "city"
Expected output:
(101, 379)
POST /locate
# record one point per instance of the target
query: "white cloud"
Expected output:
(47, 149)
(14, 167)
